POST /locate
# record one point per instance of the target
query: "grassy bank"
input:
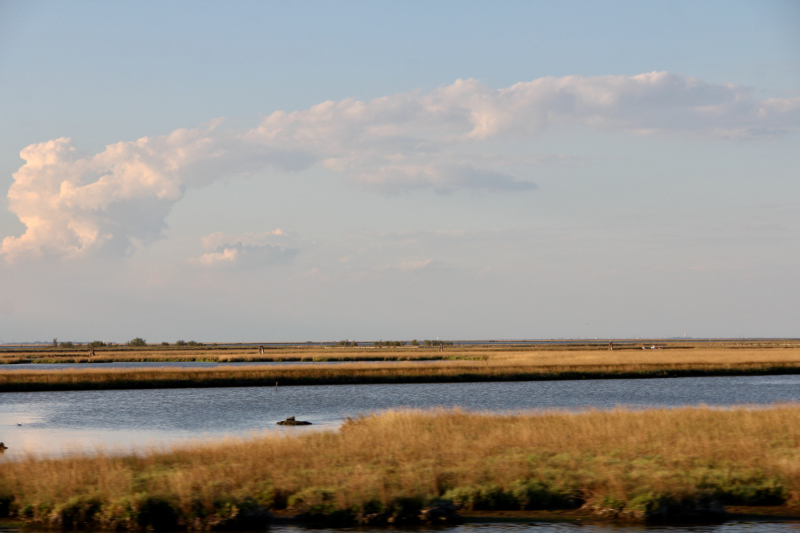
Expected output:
(635, 465)
(466, 365)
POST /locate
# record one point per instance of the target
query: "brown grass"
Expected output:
(599, 455)
(491, 365)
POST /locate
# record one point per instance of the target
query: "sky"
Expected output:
(310, 171)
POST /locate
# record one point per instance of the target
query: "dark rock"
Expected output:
(292, 422)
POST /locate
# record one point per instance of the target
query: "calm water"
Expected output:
(59, 421)
(729, 527)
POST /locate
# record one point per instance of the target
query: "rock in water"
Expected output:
(292, 422)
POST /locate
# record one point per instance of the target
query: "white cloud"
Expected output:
(115, 201)
(248, 249)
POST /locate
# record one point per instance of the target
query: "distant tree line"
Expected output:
(437, 343)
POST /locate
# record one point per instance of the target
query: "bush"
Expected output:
(523, 494)
(536, 495)
(67, 344)
(181, 343)
(752, 492)
(164, 344)
(76, 513)
(482, 497)
(313, 499)
(138, 341)
(193, 343)
(97, 344)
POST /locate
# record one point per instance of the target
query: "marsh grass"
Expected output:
(461, 366)
(742, 456)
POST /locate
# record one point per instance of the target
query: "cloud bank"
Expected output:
(113, 202)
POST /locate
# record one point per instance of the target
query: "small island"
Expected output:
(292, 422)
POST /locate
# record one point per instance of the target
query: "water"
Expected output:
(54, 422)
(728, 527)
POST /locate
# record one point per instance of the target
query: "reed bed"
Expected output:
(466, 366)
(744, 456)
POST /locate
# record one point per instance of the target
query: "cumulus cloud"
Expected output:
(75, 204)
(248, 249)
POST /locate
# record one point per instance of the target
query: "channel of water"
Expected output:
(56, 422)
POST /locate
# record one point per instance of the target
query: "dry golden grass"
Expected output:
(611, 455)
(210, 354)
(469, 365)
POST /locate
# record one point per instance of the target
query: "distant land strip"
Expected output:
(370, 373)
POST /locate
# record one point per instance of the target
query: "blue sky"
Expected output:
(282, 171)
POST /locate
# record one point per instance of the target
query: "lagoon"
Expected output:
(58, 422)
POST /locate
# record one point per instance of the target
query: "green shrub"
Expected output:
(138, 341)
(180, 343)
(97, 344)
(482, 497)
(67, 344)
(752, 492)
(76, 513)
(313, 499)
(536, 495)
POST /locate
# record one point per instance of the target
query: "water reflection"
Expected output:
(728, 527)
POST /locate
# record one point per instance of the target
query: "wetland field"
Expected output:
(655, 465)
(115, 367)
(444, 436)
